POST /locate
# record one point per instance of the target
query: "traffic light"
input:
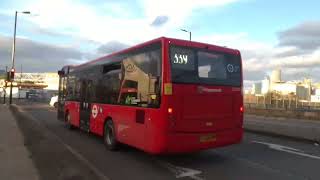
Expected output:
(8, 76)
(12, 74)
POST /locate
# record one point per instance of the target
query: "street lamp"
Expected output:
(14, 47)
(187, 32)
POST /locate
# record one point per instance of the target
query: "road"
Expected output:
(257, 157)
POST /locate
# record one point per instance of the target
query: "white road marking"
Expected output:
(287, 149)
(181, 172)
(84, 160)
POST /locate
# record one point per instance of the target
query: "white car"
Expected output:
(54, 101)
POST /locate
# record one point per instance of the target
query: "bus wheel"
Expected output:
(68, 121)
(109, 137)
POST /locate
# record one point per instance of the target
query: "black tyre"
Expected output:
(109, 137)
(67, 121)
(55, 105)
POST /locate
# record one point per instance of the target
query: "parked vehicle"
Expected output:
(54, 102)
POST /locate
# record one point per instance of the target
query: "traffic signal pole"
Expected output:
(11, 76)
(5, 86)
(10, 97)
(4, 93)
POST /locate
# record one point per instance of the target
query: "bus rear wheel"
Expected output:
(55, 105)
(109, 137)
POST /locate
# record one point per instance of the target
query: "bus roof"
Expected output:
(171, 40)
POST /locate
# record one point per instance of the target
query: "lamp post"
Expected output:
(187, 32)
(14, 48)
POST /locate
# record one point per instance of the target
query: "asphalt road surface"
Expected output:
(257, 157)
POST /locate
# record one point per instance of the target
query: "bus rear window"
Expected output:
(204, 67)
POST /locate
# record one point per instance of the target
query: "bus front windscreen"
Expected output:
(200, 66)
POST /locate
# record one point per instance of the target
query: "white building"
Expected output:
(47, 83)
(315, 98)
(265, 85)
(275, 84)
(285, 88)
(256, 88)
(50, 80)
(276, 76)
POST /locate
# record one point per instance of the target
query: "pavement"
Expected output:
(294, 128)
(16, 162)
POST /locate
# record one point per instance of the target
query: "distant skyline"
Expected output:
(270, 34)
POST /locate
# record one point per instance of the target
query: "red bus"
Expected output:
(162, 96)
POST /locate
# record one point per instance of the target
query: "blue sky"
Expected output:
(260, 19)
(270, 34)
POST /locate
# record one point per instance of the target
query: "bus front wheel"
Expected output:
(68, 121)
(55, 105)
(109, 136)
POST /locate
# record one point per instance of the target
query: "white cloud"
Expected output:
(252, 51)
(178, 10)
(85, 21)
(261, 58)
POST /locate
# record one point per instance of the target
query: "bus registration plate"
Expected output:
(208, 138)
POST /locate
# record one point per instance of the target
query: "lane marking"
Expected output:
(287, 149)
(181, 172)
(84, 160)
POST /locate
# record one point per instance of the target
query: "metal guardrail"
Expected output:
(303, 108)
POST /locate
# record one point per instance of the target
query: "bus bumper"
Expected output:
(192, 142)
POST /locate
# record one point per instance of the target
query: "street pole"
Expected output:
(13, 53)
(187, 32)
(14, 48)
(5, 87)
(14, 39)
(10, 95)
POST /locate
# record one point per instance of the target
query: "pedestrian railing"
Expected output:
(285, 106)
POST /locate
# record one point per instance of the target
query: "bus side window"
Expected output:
(143, 70)
(128, 92)
(107, 89)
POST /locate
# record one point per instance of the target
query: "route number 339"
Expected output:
(180, 59)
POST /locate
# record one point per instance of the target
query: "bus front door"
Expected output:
(61, 96)
(85, 106)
